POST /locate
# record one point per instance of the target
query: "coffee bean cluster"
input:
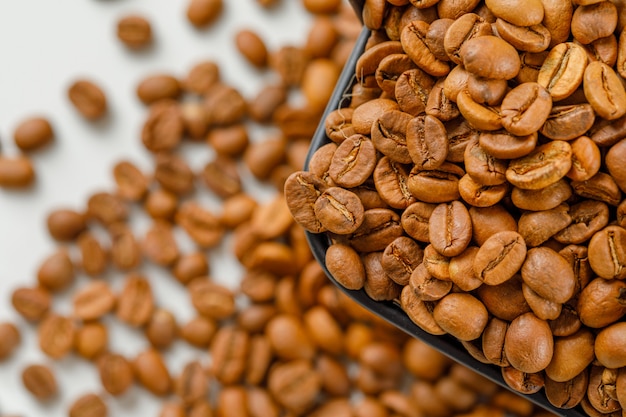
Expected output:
(475, 176)
(284, 342)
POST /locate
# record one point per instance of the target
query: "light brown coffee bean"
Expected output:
(40, 381)
(563, 69)
(568, 122)
(464, 28)
(529, 344)
(252, 47)
(88, 99)
(339, 210)
(461, 315)
(159, 244)
(91, 340)
(56, 335)
(525, 109)
(487, 221)
(477, 115)
(548, 274)
(567, 394)
(426, 142)
(134, 31)
(229, 349)
(607, 98)
(88, 405)
(158, 87)
(202, 226)
(106, 208)
(536, 227)
(135, 303)
(294, 384)
(211, 299)
(93, 301)
(544, 166)
(318, 82)
(152, 373)
(535, 38)
(260, 356)
(162, 329)
(461, 269)
(479, 55)
(32, 303)
(572, 355)
(289, 338)
(500, 257)
(593, 21)
(10, 339)
(94, 257)
(353, 161)
(400, 258)
(125, 250)
(132, 184)
(65, 224)
(606, 252)
(163, 128)
(224, 105)
(542, 199)
(198, 331)
(345, 265)
(16, 172)
(56, 272)
(482, 166)
(201, 77)
(601, 302)
(556, 16)
(523, 382)
(324, 330)
(509, 11)
(588, 217)
(426, 287)
(202, 13)
(33, 133)
(450, 228)
(191, 384)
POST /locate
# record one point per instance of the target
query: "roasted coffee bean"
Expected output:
(88, 405)
(426, 287)
(450, 228)
(252, 47)
(318, 82)
(548, 274)
(201, 77)
(536, 227)
(125, 250)
(572, 355)
(56, 272)
(132, 184)
(91, 340)
(353, 161)
(191, 384)
(56, 335)
(294, 384)
(606, 252)
(202, 226)
(461, 270)
(544, 166)
(17, 172)
(525, 109)
(607, 98)
(162, 329)
(461, 315)
(159, 244)
(500, 257)
(529, 344)
(568, 122)
(563, 70)
(202, 13)
(32, 303)
(389, 135)
(65, 224)
(198, 331)
(601, 187)
(210, 299)
(412, 91)
(413, 40)
(601, 302)
(10, 339)
(94, 257)
(463, 29)
(426, 142)
(438, 185)
(377, 285)
(588, 217)
(567, 394)
(479, 195)
(288, 338)
(379, 228)
(509, 11)
(483, 167)
(486, 91)
(535, 38)
(106, 208)
(88, 98)
(134, 31)
(400, 258)
(478, 116)
(366, 114)
(40, 381)
(480, 54)
(339, 210)
(93, 301)
(33, 133)
(345, 266)
(152, 373)
(135, 303)
(487, 221)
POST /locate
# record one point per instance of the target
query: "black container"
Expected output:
(391, 311)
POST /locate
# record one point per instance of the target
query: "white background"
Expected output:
(44, 45)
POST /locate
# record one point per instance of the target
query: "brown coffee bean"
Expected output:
(353, 161)
(230, 141)
(588, 217)
(202, 226)
(486, 91)
(161, 330)
(261, 158)
(542, 199)
(125, 250)
(294, 384)
(438, 185)
(535, 38)
(56, 272)
(159, 244)
(91, 340)
(493, 342)
(198, 331)
(525, 109)
(436, 263)
(93, 301)
(237, 209)
(224, 105)
(482, 166)
(191, 384)
(65, 224)
(600, 391)
(260, 356)
(135, 303)
(544, 166)
(190, 266)
(450, 228)
(555, 17)
(134, 31)
(567, 394)
(163, 128)
(288, 338)
(412, 91)
(252, 47)
(88, 405)
(158, 87)
(389, 135)
(478, 116)
(464, 28)
(509, 11)
(201, 408)
(612, 158)
(461, 315)
(523, 382)
(536, 227)
(229, 349)
(563, 69)
(33, 133)
(487, 221)
(420, 312)
(339, 210)
(529, 344)
(601, 187)
(500, 257)
(606, 252)
(106, 208)
(593, 21)
(608, 98)
(32, 303)
(413, 40)
(345, 265)
(548, 274)
(318, 82)
(479, 55)
(172, 409)
(479, 195)
(195, 121)
(324, 330)
(210, 299)
(17, 172)
(600, 303)
(461, 270)
(322, 37)
(40, 381)
(568, 122)
(152, 373)
(202, 13)
(93, 256)
(56, 335)
(10, 339)
(201, 77)
(400, 258)
(426, 287)
(426, 142)
(132, 184)
(572, 355)
(88, 98)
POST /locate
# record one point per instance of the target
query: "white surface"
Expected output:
(44, 45)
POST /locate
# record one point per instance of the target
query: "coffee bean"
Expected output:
(210, 299)
(17, 172)
(10, 339)
(33, 133)
(56, 272)
(56, 335)
(161, 330)
(544, 166)
(294, 384)
(198, 331)
(152, 373)
(65, 224)
(106, 208)
(509, 11)
(91, 340)
(134, 31)
(457, 308)
(88, 405)
(163, 128)
(125, 250)
(32, 303)
(40, 381)
(563, 69)
(93, 301)
(500, 257)
(202, 13)
(135, 303)
(572, 355)
(191, 384)
(201, 77)
(252, 47)
(88, 98)
(606, 252)
(598, 93)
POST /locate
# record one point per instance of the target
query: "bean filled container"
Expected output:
(467, 352)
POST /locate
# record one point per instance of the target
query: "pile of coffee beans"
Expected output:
(474, 175)
(280, 341)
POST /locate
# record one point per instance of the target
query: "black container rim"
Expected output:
(391, 311)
